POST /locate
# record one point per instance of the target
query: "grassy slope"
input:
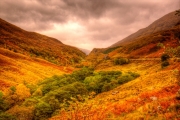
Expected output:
(132, 101)
(135, 95)
(17, 68)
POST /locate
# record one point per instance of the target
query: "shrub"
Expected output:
(3, 104)
(160, 45)
(42, 111)
(164, 64)
(134, 75)
(13, 89)
(80, 75)
(121, 61)
(165, 57)
(106, 87)
(125, 78)
(178, 51)
(6, 116)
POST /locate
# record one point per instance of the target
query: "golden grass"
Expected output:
(16, 68)
(134, 100)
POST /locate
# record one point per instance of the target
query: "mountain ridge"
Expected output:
(37, 45)
(154, 27)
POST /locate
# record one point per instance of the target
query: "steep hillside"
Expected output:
(166, 22)
(133, 81)
(34, 44)
(160, 37)
(20, 69)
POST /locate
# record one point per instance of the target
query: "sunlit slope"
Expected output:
(35, 44)
(150, 96)
(16, 68)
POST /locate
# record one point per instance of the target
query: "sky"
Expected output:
(85, 24)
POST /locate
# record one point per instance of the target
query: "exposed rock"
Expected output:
(153, 98)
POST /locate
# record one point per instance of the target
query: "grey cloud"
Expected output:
(90, 8)
(31, 11)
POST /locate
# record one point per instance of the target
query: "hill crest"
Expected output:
(164, 23)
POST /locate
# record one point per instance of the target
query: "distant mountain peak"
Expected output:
(166, 22)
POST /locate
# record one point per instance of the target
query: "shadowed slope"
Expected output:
(164, 23)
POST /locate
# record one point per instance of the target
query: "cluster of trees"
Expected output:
(56, 93)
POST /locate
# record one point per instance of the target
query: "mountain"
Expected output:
(37, 45)
(164, 23)
(129, 81)
(159, 37)
(85, 51)
(155, 94)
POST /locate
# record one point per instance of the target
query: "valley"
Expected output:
(137, 78)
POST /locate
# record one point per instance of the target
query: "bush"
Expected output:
(125, 78)
(42, 111)
(164, 64)
(6, 116)
(178, 51)
(81, 74)
(13, 89)
(121, 61)
(160, 45)
(165, 57)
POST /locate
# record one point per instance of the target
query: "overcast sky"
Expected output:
(85, 23)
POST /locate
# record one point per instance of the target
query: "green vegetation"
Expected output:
(160, 45)
(56, 93)
(164, 64)
(3, 108)
(164, 59)
(6, 116)
(111, 49)
(178, 51)
(127, 77)
(121, 61)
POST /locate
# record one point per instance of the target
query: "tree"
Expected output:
(42, 111)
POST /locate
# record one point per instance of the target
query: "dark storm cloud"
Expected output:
(85, 23)
(31, 11)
